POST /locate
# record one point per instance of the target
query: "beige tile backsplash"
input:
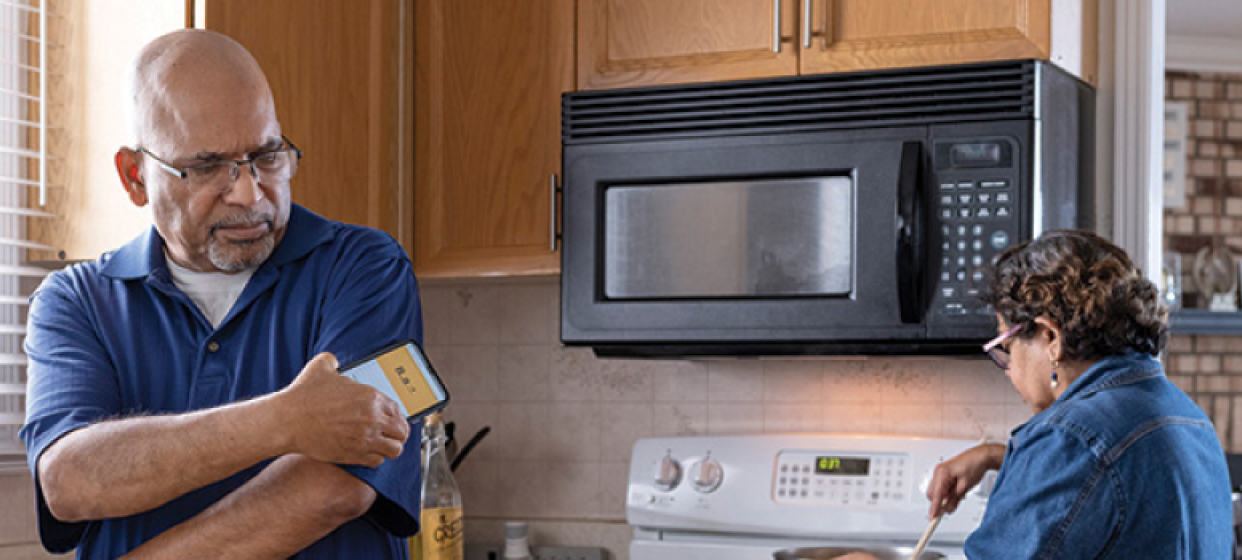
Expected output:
(563, 421)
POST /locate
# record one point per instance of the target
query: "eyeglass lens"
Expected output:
(1000, 357)
(269, 167)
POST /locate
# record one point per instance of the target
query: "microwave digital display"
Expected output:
(974, 154)
(984, 154)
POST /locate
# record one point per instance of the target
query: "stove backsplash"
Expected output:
(563, 421)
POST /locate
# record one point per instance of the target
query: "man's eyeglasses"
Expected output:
(268, 167)
(998, 353)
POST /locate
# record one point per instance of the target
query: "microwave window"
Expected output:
(760, 238)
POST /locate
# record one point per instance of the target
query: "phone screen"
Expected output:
(403, 373)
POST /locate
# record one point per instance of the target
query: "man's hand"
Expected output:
(952, 479)
(334, 419)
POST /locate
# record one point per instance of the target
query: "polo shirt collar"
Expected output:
(145, 253)
(306, 231)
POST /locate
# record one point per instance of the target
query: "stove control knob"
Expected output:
(667, 474)
(707, 475)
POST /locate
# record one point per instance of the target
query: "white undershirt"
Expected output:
(213, 292)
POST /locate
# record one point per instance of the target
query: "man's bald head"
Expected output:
(198, 99)
(177, 80)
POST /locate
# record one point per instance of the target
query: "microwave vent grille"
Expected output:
(887, 98)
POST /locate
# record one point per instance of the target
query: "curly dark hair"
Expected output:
(1087, 286)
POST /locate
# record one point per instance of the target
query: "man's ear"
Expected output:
(131, 176)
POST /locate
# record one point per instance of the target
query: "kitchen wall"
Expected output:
(1209, 367)
(563, 421)
(18, 532)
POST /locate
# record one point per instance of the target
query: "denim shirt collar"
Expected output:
(1112, 371)
(1104, 374)
(145, 253)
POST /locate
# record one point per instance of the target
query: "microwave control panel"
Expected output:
(975, 208)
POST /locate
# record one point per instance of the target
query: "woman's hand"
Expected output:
(952, 479)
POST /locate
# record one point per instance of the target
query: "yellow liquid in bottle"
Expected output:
(415, 544)
(442, 534)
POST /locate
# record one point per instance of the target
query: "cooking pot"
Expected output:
(829, 552)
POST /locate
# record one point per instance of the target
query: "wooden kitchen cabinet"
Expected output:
(624, 43)
(628, 43)
(342, 77)
(488, 80)
(865, 34)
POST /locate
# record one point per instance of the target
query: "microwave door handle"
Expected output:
(911, 240)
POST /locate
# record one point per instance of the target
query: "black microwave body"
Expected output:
(839, 214)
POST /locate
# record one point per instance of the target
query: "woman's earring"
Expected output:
(1055, 381)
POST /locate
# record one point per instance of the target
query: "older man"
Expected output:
(184, 400)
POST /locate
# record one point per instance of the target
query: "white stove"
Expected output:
(746, 497)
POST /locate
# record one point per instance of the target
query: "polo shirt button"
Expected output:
(213, 346)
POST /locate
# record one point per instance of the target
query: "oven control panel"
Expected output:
(793, 484)
(841, 478)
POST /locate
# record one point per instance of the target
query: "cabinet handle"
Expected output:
(552, 212)
(806, 23)
(776, 26)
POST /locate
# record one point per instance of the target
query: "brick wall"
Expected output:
(1209, 368)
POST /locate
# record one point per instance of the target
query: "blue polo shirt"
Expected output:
(116, 337)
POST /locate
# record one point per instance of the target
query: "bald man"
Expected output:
(183, 396)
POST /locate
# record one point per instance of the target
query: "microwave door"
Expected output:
(744, 239)
(790, 238)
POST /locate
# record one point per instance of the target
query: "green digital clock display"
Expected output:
(852, 466)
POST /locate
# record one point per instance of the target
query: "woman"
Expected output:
(1117, 462)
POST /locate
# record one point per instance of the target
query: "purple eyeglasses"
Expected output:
(997, 352)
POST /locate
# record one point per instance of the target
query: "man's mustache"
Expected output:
(245, 218)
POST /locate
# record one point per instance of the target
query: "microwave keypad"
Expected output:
(971, 199)
(974, 216)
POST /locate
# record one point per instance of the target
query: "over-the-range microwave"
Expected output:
(833, 214)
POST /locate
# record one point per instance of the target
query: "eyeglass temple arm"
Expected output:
(996, 341)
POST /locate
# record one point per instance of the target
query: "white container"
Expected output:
(517, 546)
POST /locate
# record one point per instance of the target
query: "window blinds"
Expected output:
(23, 190)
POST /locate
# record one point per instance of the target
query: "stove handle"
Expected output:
(911, 239)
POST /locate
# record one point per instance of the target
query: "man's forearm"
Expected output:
(295, 501)
(122, 467)
(127, 466)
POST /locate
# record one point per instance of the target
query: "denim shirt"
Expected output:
(1122, 466)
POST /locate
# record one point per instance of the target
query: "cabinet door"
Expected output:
(97, 41)
(489, 75)
(869, 34)
(625, 43)
(341, 74)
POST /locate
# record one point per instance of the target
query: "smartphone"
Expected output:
(403, 372)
